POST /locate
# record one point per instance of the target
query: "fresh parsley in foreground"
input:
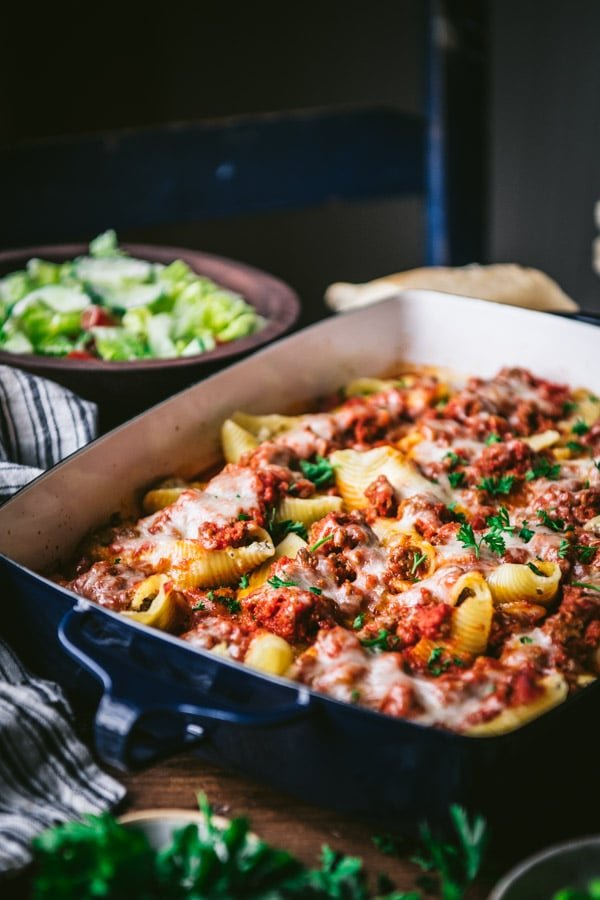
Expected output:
(101, 858)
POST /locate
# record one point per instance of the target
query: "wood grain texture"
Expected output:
(300, 828)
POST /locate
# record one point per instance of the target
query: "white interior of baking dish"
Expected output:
(48, 518)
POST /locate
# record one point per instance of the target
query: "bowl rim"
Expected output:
(285, 314)
(546, 855)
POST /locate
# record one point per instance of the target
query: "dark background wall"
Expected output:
(69, 68)
(89, 69)
(545, 130)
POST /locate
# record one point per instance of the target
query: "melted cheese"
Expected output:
(233, 492)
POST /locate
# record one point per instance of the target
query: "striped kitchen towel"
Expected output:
(40, 423)
(47, 775)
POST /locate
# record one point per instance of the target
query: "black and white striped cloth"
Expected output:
(40, 423)
(47, 775)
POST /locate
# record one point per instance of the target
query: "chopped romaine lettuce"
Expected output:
(13, 287)
(43, 272)
(159, 338)
(105, 244)
(114, 343)
(112, 271)
(143, 309)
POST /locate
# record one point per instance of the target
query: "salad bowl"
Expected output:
(124, 388)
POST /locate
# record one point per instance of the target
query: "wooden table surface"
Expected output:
(298, 827)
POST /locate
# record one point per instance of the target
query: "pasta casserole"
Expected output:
(425, 546)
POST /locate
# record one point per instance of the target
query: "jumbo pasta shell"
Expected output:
(265, 427)
(355, 470)
(236, 441)
(164, 609)
(191, 565)
(269, 653)
(308, 510)
(472, 616)
(513, 582)
(555, 692)
(289, 547)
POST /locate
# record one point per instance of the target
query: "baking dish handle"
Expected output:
(137, 723)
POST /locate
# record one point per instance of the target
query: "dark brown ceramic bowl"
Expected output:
(123, 389)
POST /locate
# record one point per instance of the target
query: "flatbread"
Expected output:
(501, 283)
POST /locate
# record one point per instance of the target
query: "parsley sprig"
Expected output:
(543, 468)
(556, 524)
(278, 530)
(381, 642)
(228, 861)
(493, 539)
(502, 484)
(417, 560)
(525, 532)
(320, 472)
(501, 521)
(277, 582)
(455, 864)
(456, 479)
(454, 459)
(580, 427)
(320, 542)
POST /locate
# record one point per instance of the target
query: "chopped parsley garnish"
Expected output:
(535, 570)
(493, 539)
(543, 468)
(564, 548)
(457, 863)
(380, 642)
(575, 446)
(493, 439)
(243, 517)
(568, 407)
(456, 479)
(585, 552)
(117, 561)
(526, 640)
(585, 584)
(526, 533)
(315, 590)
(210, 596)
(555, 524)
(500, 485)
(455, 459)
(199, 606)
(320, 472)
(320, 542)
(418, 559)
(278, 530)
(291, 527)
(229, 602)
(495, 542)
(466, 536)
(580, 427)
(359, 622)
(501, 521)
(435, 664)
(459, 516)
(244, 581)
(355, 695)
(277, 582)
